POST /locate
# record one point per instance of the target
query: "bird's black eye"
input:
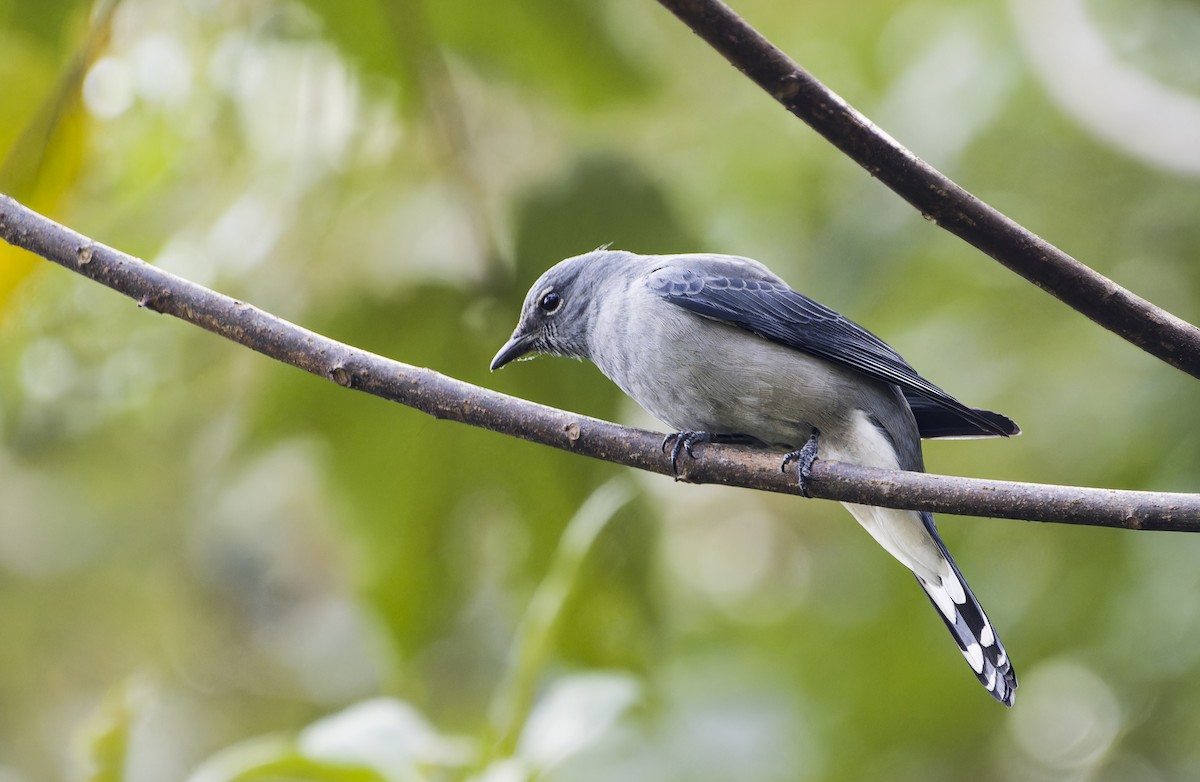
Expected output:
(550, 302)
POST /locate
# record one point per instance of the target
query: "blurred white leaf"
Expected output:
(507, 770)
(575, 713)
(232, 762)
(386, 735)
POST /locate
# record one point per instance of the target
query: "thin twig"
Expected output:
(939, 199)
(445, 397)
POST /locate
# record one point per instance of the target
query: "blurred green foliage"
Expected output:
(303, 583)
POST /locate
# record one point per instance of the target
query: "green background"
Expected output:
(215, 566)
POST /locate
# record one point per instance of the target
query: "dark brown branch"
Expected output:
(445, 397)
(940, 200)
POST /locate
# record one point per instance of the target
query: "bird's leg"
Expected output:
(686, 439)
(805, 456)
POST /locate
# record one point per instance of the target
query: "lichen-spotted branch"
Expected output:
(447, 398)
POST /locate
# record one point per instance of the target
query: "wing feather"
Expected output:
(751, 298)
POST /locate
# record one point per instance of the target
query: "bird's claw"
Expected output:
(684, 441)
(805, 456)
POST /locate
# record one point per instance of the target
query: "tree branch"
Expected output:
(939, 199)
(447, 398)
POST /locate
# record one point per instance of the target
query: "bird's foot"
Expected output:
(805, 456)
(684, 441)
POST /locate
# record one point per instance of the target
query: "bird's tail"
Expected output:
(967, 622)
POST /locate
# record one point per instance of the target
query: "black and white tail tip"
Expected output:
(973, 632)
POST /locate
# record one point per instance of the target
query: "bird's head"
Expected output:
(558, 309)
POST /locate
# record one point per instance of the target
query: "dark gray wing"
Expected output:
(749, 297)
(934, 420)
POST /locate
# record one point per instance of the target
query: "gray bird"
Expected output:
(719, 348)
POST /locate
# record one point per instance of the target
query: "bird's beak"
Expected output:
(519, 345)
